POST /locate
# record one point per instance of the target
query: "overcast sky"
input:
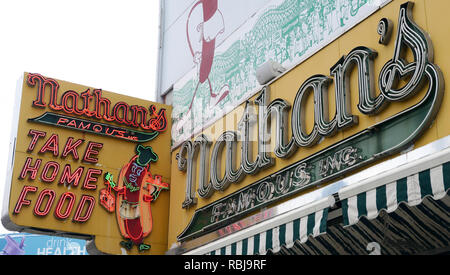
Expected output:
(105, 44)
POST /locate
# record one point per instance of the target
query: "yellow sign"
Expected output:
(93, 163)
(374, 92)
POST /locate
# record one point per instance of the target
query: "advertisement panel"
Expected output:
(33, 244)
(89, 162)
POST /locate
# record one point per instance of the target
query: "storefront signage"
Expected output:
(87, 163)
(380, 140)
(94, 105)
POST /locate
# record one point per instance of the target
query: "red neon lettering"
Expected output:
(97, 128)
(109, 131)
(120, 133)
(135, 109)
(68, 177)
(122, 107)
(121, 112)
(27, 168)
(22, 198)
(36, 135)
(72, 123)
(74, 98)
(51, 145)
(71, 147)
(48, 165)
(86, 100)
(90, 152)
(85, 199)
(91, 177)
(41, 81)
(62, 120)
(82, 126)
(71, 201)
(160, 122)
(51, 197)
(99, 101)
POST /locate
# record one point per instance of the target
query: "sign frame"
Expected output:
(58, 199)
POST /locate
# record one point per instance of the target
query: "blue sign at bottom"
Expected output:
(34, 244)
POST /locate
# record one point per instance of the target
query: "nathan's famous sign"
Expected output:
(90, 162)
(397, 81)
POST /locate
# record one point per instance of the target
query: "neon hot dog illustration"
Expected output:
(136, 189)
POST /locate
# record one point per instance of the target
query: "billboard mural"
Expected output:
(285, 31)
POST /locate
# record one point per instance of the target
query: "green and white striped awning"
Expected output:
(412, 189)
(284, 235)
(404, 209)
(409, 230)
(295, 225)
